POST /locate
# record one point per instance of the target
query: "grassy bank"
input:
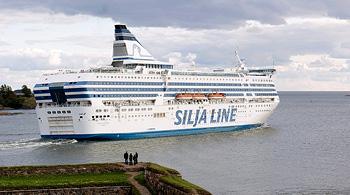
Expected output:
(174, 179)
(95, 175)
(63, 180)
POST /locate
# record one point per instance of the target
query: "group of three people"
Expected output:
(132, 158)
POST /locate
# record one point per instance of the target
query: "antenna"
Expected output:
(240, 62)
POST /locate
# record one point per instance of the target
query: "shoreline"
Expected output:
(5, 113)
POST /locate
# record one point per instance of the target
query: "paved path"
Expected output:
(142, 189)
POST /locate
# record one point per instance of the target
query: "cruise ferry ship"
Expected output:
(139, 97)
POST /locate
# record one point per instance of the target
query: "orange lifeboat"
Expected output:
(199, 96)
(183, 96)
(216, 96)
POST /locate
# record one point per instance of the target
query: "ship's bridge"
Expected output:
(132, 64)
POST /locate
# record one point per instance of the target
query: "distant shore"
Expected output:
(5, 113)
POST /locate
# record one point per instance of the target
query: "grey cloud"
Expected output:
(4, 43)
(189, 14)
(319, 64)
(29, 63)
(82, 41)
(345, 45)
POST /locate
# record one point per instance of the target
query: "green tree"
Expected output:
(8, 97)
(6, 91)
(26, 91)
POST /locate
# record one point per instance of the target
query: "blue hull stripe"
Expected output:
(153, 134)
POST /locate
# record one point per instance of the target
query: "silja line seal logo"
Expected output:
(191, 117)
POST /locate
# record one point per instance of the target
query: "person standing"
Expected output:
(126, 155)
(136, 156)
(130, 159)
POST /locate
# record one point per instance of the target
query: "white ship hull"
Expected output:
(159, 121)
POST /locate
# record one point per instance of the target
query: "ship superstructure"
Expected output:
(139, 97)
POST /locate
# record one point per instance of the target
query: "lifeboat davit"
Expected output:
(216, 96)
(183, 96)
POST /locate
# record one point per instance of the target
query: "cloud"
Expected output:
(181, 61)
(39, 59)
(314, 72)
(189, 14)
(307, 46)
(4, 43)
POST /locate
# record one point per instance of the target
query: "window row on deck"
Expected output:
(158, 89)
(149, 83)
(137, 95)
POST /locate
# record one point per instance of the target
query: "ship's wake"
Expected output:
(33, 143)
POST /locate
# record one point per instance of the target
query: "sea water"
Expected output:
(303, 149)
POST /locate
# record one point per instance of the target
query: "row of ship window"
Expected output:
(266, 94)
(59, 112)
(124, 109)
(138, 95)
(153, 83)
(207, 74)
(100, 116)
(157, 89)
(262, 110)
(262, 105)
(136, 109)
(182, 78)
(155, 115)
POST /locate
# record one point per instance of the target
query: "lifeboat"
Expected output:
(199, 96)
(183, 96)
(216, 96)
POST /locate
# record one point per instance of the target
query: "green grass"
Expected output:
(180, 183)
(161, 170)
(63, 180)
(140, 178)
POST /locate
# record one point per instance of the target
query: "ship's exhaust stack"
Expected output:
(127, 47)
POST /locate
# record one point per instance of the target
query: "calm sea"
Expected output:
(305, 149)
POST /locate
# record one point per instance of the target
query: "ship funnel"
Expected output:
(127, 47)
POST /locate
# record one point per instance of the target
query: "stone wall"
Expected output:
(153, 180)
(120, 190)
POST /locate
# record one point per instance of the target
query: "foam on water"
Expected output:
(32, 143)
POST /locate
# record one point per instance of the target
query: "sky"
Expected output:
(308, 42)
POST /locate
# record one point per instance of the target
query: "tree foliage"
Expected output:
(9, 99)
(26, 91)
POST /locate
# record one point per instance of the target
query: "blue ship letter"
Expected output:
(189, 121)
(233, 114)
(196, 118)
(225, 115)
(184, 118)
(178, 117)
(203, 117)
(212, 116)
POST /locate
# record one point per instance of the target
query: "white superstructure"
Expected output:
(139, 97)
